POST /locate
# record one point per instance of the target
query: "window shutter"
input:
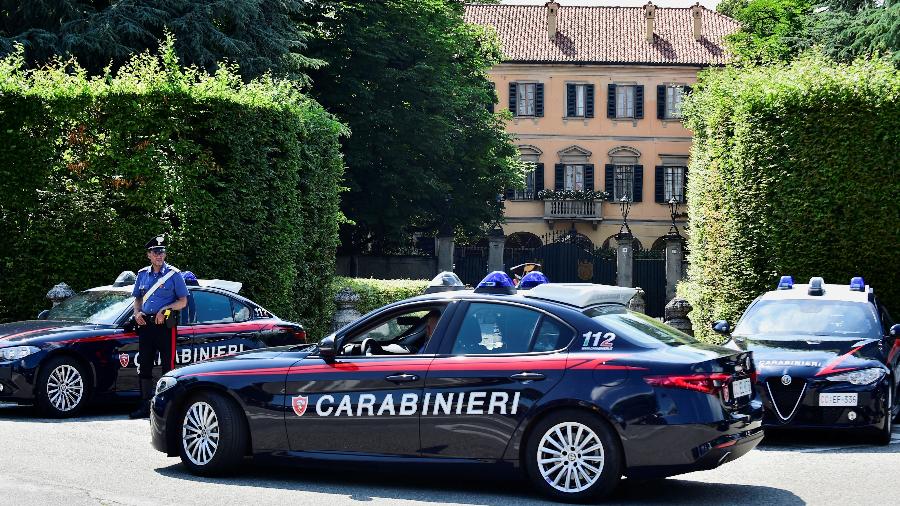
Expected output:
(610, 179)
(638, 192)
(490, 107)
(660, 184)
(538, 179)
(513, 87)
(639, 101)
(611, 101)
(589, 177)
(589, 101)
(688, 90)
(684, 190)
(559, 177)
(539, 99)
(570, 100)
(661, 101)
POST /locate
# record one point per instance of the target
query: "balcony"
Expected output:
(573, 210)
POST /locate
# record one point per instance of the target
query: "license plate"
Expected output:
(837, 399)
(741, 388)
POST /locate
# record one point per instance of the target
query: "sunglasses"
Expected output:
(157, 252)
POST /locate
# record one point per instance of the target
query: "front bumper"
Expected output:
(17, 379)
(799, 407)
(162, 411)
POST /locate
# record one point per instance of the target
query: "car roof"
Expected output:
(832, 292)
(575, 296)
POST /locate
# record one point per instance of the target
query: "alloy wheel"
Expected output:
(200, 433)
(65, 388)
(570, 457)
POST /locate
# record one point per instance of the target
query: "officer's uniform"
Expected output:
(156, 338)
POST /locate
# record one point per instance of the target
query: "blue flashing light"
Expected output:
(445, 282)
(816, 286)
(497, 282)
(190, 278)
(533, 279)
(857, 284)
(786, 283)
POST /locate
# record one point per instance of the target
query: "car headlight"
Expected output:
(859, 377)
(165, 383)
(17, 352)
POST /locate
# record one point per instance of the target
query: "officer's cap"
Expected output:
(158, 243)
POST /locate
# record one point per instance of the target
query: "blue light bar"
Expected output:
(497, 282)
(857, 284)
(816, 286)
(190, 278)
(786, 283)
(533, 279)
(445, 282)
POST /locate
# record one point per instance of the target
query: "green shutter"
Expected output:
(538, 179)
(559, 176)
(513, 88)
(661, 101)
(660, 184)
(589, 101)
(611, 101)
(539, 99)
(638, 193)
(570, 100)
(589, 177)
(639, 101)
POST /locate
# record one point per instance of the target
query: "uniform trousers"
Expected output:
(155, 339)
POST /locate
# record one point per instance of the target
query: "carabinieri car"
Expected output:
(828, 356)
(84, 350)
(560, 381)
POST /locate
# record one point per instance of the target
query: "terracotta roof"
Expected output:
(605, 34)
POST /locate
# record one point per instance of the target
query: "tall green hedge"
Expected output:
(795, 170)
(244, 177)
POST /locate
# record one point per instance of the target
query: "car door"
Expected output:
(125, 355)
(220, 325)
(496, 363)
(362, 404)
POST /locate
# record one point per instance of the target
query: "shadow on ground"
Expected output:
(90, 414)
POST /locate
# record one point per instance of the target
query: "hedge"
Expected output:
(243, 177)
(795, 169)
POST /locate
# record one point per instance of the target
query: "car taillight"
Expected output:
(707, 383)
(300, 335)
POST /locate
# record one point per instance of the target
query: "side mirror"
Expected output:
(327, 348)
(43, 315)
(721, 327)
(895, 330)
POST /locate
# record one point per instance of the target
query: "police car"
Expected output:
(560, 382)
(84, 348)
(827, 356)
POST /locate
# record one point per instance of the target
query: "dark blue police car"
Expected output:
(560, 381)
(828, 356)
(82, 350)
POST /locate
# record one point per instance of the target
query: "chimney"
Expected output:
(650, 16)
(697, 14)
(552, 13)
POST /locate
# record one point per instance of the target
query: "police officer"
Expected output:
(159, 292)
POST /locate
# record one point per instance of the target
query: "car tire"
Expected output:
(213, 435)
(63, 388)
(883, 436)
(573, 456)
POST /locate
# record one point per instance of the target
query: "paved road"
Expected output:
(104, 458)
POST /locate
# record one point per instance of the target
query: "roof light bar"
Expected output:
(533, 279)
(445, 282)
(816, 286)
(786, 283)
(497, 282)
(857, 284)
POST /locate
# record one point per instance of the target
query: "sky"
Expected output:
(710, 4)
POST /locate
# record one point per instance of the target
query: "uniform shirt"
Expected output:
(170, 291)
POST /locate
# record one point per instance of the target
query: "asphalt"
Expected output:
(104, 458)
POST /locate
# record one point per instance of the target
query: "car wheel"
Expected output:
(884, 435)
(213, 435)
(574, 456)
(63, 388)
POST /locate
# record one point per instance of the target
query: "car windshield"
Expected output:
(638, 328)
(801, 317)
(99, 307)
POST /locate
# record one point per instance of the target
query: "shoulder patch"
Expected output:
(172, 267)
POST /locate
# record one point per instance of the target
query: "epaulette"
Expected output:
(145, 269)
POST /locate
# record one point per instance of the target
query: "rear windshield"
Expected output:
(802, 317)
(636, 327)
(97, 307)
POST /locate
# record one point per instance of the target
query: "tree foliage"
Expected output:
(259, 35)
(771, 30)
(409, 79)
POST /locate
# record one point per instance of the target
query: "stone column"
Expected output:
(59, 293)
(638, 301)
(496, 242)
(346, 300)
(676, 315)
(674, 263)
(443, 247)
(624, 260)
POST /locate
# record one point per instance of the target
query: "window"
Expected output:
(241, 312)
(625, 101)
(574, 177)
(212, 308)
(579, 99)
(552, 336)
(525, 106)
(636, 327)
(92, 307)
(490, 329)
(528, 192)
(674, 93)
(399, 334)
(624, 182)
(674, 184)
(821, 318)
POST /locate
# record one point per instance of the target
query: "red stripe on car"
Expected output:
(831, 367)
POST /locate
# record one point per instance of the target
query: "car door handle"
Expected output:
(402, 378)
(527, 376)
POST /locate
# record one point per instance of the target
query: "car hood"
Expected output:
(808, 356)
(262, 361)
(37, 332)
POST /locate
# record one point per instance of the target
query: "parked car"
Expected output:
(828, 356)
(83, 349)
(560, 382)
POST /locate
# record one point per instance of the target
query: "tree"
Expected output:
(409, 79)
(848, 29)
(259, 35)
(771, 30)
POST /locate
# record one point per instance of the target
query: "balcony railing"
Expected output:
(566, 209)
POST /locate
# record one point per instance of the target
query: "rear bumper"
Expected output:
(710, 455)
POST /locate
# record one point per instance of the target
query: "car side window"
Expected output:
(552, 336)
(491, 329)
(886, 321)
(189, 313)
(212, 308)
(404, 333)
(241, 312)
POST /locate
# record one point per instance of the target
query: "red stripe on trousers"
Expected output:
(172, 354)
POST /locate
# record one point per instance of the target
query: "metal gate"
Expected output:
(470, 263)
(650, 275)
(569, 257)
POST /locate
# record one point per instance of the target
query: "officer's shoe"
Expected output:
(142, 412)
